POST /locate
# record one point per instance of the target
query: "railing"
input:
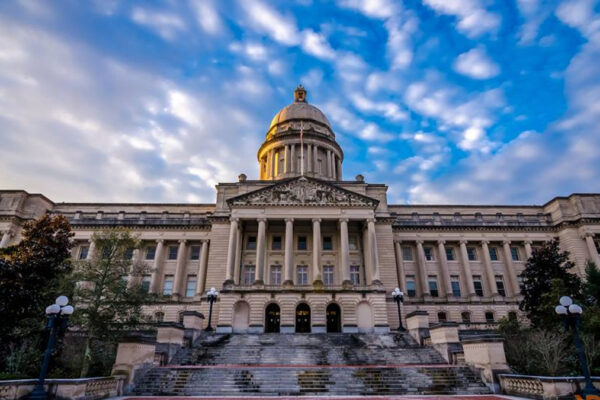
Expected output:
(543, 387)
(69, 389)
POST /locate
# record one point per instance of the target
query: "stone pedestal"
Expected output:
(171, 333)
(444, 338)
(486, 354)
(192, 323)
(417, 324)
(133, 354)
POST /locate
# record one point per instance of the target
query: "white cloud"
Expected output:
(281, 28)
(372, 8)
(473, 19)
(316, 44)
(388, 109)
(207, 16)
(476, 64)
(167, 25)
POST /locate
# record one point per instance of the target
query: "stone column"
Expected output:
(373, 251)
(316, 159)
(422, 269)
(288, 260)
(293, 159)
(317, 275)
(328, 174)
(157, 272)
(528, 250)
(466, 266)
(231, 250)
(238, 254)
(286, 159)
(489, 271)
(333, 166)
(309, 163)
(274, 164)
(400, 266)
(201, 278)
(510, 271)
(345, 251)
(260, 251)
(91, 250)
(444, 271)
(180, 269)
(589, 240)
(6, 238)
(339, 169)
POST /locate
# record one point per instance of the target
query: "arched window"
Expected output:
(442, 316)
(180, 317)
(489, 317)
(466, 317)
(512, 316)
(159, 316)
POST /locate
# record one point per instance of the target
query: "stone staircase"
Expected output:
(307, 364)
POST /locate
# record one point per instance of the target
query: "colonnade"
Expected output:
(370, 253)
(331, 167)
(509, 272)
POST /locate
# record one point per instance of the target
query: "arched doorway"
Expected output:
(302, 318)
(364, 316)
(334, 318)
(272, 318)
(241, 316)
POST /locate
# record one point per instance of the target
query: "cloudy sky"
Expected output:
(446, 101)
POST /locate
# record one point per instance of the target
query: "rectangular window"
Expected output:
(146, 283)
(493, 254)
(150, 252)
(302, 244)
(478, 286)
(128, 254)
(83, 252)
(597, 243)
(328, 275)
(172, 253)
(433, 286)
(489, 317)
(514, 253)
(275, 275)
(411, 286)
(251, 243)
(302, 275)
(407, 253)
(190, 286)
(355, 274)
(327, 243)
(352, 240)
(449, 253)
(455, 282)
(428, 253)
(472, 253)
(500, 285)
(195, 253)
(249, 274)
(168, 285)
(276, 245)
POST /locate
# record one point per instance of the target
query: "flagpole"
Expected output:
(301, 151)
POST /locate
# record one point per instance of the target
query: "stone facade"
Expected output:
(302, 249)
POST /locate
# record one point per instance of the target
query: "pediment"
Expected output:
(303, 191)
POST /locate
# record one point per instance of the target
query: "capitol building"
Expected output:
(302, 248)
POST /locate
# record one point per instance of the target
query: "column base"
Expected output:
(287, 284)
(474, 297)
(376, 282)
(228, 282)
(259, 282)
(347, 284)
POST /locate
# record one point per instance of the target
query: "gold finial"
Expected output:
(300, 94)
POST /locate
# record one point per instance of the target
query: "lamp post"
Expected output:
(211, 295)
(571, 313)
(398, 296)
(58, 314)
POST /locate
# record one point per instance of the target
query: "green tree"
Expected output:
(31, 275)
(547, 270)
(107, 301)
(591, 287)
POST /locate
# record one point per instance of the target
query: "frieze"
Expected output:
(303, 192)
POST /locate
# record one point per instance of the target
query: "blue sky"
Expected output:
(446, 101)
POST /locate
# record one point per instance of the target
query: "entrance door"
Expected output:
(272, 318)
(334, 323)
(303, 318)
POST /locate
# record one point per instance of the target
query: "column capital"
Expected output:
(419, 241)
(317, 220)
(204, 241)
(234, 219)
(289, 220)
(182, 241)
(261, 219)
(588, 234)
(441, 242)
(506, 242)
(463, 242)
(485, 242)
(160, 241)
(90, 241)
(344, 220)
(529, 242)
(371, 220)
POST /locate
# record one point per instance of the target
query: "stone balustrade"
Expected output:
(543, 387)
(67, 389)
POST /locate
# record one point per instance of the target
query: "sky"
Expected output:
(445, 101)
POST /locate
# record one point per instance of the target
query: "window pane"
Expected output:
(411, 287)
(433, 287)
(302, 243)
(128, 254)
(83, 252)
(302, 275)
(442, 316)
(489, 317)
(195, 253)
(514, 252)
(190, 287)
(146, 283)
(493, 254)
(275, 275)
(500, 286)
(455, 286)
(276, 243)
(327, 243)
(352, 240)
(407, 254)
(450, 253)
(466, 317)
(355, 274)
(150, 252)
(478, 286)
(173, 252)
(251, 245)
(428, 253)
(249, 274)
(328, 275)
(472, 253)
(168, 285)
